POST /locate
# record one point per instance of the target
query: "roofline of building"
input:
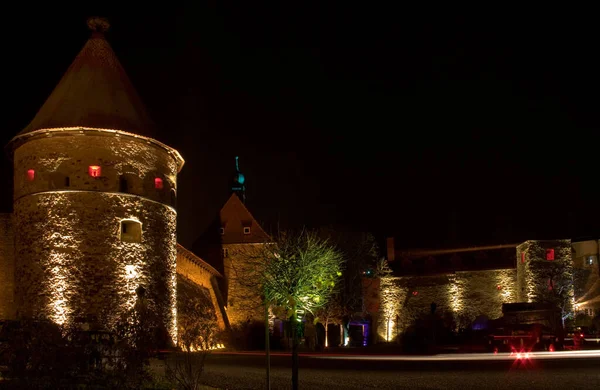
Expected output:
(198, 261)
(433, 252)
(20, 139)
(586, 238)
(448, 273)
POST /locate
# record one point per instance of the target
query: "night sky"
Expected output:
(442, 129)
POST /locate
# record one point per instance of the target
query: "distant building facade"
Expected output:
(461, 285)
(233, 238)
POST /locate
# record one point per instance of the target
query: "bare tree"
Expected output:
(361, 254)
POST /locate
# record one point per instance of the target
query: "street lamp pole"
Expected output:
(267, 346)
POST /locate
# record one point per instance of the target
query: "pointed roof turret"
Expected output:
(95, 92)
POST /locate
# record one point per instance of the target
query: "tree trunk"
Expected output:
(295, 340)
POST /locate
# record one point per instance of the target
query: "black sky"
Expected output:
(442, 128)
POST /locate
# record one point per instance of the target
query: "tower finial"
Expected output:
(98, 24)
(239, 180)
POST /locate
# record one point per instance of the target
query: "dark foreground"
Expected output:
(242, 371)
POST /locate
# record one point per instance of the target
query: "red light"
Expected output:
(95, 171)
(415, 293)
(551, 348)
(158, 183)
(550, 254)
(522, 257)
(499, 287)
(30, 175)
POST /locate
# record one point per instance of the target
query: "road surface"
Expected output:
(570, 370)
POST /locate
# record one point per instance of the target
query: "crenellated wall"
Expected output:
(463, 295)
(7, 266)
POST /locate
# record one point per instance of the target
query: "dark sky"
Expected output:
(442, 128)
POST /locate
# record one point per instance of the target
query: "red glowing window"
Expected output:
(415, 293)
(158, 183)
(95, 170)
(550, 254)
(522, 257)
(499, 287)
(30, 175)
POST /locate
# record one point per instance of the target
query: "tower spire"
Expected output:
(239, 181)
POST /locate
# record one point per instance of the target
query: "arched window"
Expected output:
(131, 230)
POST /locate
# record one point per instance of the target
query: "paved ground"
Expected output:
(247, 372)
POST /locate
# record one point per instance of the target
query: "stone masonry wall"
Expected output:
(7, 264)
(544, 280)
(55, 158)
(73, 265)
(463, 295)
(200, 276)
(244, 302)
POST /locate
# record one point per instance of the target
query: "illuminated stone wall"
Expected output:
(543, 280)
(244, 301)
(73, 264)
(586, 274)
(199, 273)
(7, 264)
(55, 158)
(462, 295)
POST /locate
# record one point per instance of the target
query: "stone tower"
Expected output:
(94, 200)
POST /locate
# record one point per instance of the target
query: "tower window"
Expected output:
(123, 185)
(222, 231)
(225, 252)
(522, 257)
(67, 181)
(131, 231)
(30, 175)
(590, 260)
(95, 170)
(246, 230)
(158, 183)
(550, 254)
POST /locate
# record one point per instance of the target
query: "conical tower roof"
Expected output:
(94, 92)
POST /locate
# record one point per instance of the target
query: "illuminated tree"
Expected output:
(298, 273)
(333, 312)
